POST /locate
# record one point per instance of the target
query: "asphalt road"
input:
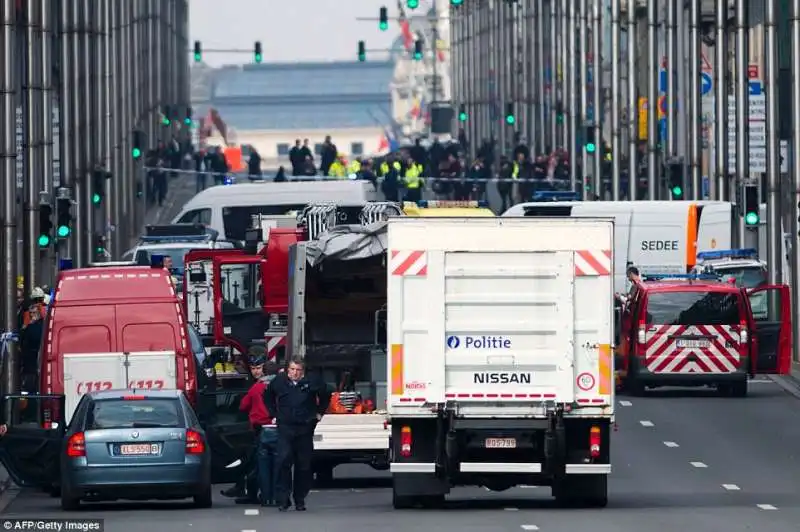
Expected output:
(682, 461)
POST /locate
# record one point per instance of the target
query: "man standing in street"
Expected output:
(298, 403)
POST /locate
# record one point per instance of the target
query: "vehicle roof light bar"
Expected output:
(741, 253)
(680, 276)
(445, 204)
(555, 195)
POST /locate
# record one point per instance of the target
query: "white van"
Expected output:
(656, 236)
(228, 208)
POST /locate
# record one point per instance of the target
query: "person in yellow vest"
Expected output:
(354, 169)
(338, 169)
(413, 180)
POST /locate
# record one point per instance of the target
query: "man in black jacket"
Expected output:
(298, 404)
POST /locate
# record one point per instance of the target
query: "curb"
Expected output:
(790, 383)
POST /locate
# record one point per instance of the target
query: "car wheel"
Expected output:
(69, 503)
(203, 499)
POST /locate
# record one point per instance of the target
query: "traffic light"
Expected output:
(456, 2)
(166, 114)
(751, 205)
(383, 23)
(198, 52)
(188, 118)
(462, 113)
(559, 112)
(362, 51)
(45, 225)
(99, 177)
(258, 55)
(64, 208)
(675, 177)
(412, 4)
(510, 118)
(590, 143)
(99, 247)
(418, 50)
(137, 145)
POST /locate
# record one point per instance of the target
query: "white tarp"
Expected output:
(348, 242)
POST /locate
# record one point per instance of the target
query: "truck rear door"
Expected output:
(241, 321)
(772, 316)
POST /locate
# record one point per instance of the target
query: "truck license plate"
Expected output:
(693, 343)
(501, 443)
(138, 449)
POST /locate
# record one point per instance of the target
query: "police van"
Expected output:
(660, 237)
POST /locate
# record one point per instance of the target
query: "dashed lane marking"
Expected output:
(731, 487)
(625, 403)
(247, 530)
(766, 507)
(647, 423)
(251, 511)
(699, 465)
(511, 509)
(529, 527)
(671, 444)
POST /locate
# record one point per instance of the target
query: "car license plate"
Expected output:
(139, 449)
(693, 343)
(501, 443)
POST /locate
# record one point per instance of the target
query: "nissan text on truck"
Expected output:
(499, 356)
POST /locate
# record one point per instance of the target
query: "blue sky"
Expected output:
(289, 30)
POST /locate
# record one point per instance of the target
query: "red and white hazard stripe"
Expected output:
(408, 263)
(592, 263)
(273, 343)
(720, 354)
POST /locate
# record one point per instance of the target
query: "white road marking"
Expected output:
(511, 509)
(671, 444)
(248, 531)
(625, 403)
(647, 423)
(762, 381)
(731, 487)
(251, 511)
(529, 527)
(699, 465)
(526, 487)
(766, 507)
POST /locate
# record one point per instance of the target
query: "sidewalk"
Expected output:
(790, 383)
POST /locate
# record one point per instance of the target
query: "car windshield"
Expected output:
(693, 308)
(140, 413)
(747, 277)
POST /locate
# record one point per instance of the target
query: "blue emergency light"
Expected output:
(439, 204)
(556, 195)
(229, 180)
(680, 276)
(743, 253)
(64, 264)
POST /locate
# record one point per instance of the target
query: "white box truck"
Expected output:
(500, 356)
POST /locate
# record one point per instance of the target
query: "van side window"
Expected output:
(197, 216)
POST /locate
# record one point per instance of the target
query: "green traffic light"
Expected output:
(44, 241)
(362, 57)
(383, 26)
(413, 4)
(258, 58)
(63, 231)
(510, 119)
(456, 2)
(187, 121)
(136, 152)
(417, 56)
(165, 121)
(751, 218)
(560, 119)
(96, 198)
(590, 147)
(198, 58)
(677, 191)
(462, 117)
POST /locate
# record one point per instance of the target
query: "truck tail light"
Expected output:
(744, 334)
(194, 442)
(642, 337)
(594, 442)
(405, 442)
(76, 445)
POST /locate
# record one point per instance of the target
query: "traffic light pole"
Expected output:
(795, 159)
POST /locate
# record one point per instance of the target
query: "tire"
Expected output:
(432, 502)
(400, 502)
(738, 389)
(581, 491)
(69, 503)
(634, 388)
(203, 498)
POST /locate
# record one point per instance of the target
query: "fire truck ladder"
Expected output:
(379, 211)
(318, 218)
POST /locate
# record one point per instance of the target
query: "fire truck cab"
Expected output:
(700, 330)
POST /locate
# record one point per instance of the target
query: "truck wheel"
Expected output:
(432, 502)
(581, 491)
(69, 503)
(738, 389)
(634, 388)
(401, 502)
